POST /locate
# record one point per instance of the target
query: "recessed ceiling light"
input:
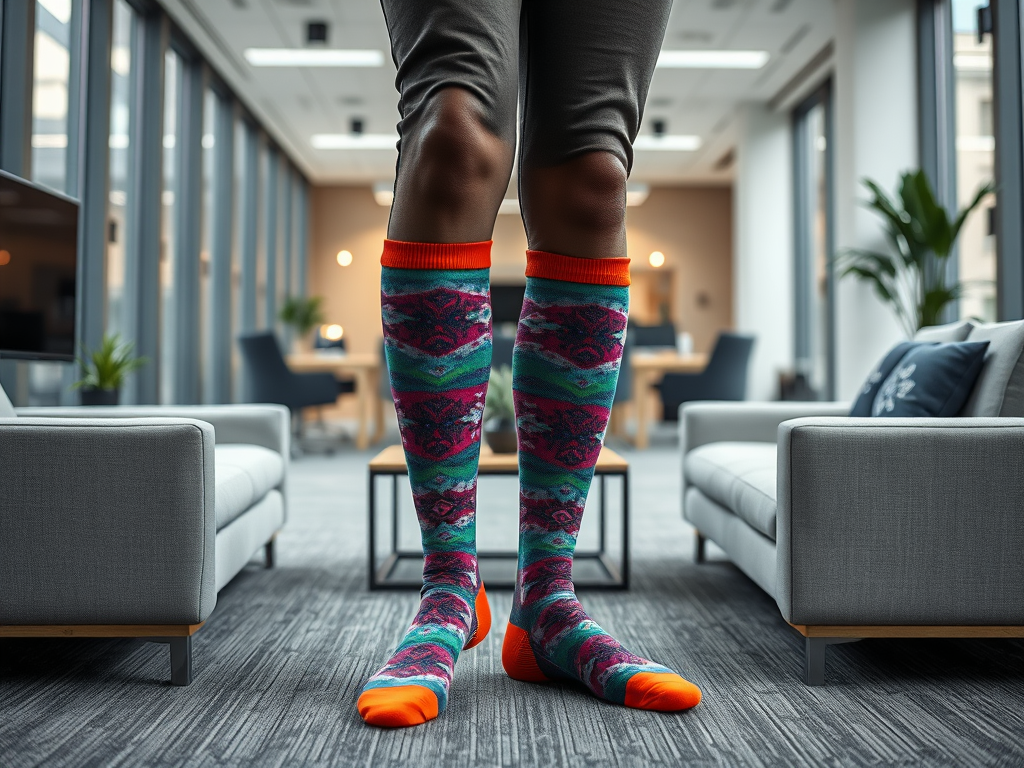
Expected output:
(313, 57)
(354, 141)
(712, 59)
(669, 142)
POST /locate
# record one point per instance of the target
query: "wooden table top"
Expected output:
(392, 461)
(668, 361)
(313, 361)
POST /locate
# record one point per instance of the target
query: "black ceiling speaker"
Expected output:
(357, 126)
(659, 127)
(316, 32)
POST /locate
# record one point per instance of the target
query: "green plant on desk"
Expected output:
(104, 370)
(303, 313)
(500, 412)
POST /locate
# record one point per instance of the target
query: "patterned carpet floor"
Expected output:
(280, 662)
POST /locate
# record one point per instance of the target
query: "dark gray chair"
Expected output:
(725, 377)
(501, 350)
(272, 381)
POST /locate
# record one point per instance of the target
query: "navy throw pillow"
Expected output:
(931, 380)
(866, 401)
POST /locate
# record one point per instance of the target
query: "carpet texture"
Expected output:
(279, 665)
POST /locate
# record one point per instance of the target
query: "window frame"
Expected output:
(803, 246)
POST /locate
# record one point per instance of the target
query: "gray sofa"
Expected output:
(126, 522)
(872, 527)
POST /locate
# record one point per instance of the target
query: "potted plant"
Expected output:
(500, 412)
(912, 276)
(104, 370)
(303, 314)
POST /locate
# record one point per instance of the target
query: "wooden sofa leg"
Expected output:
(814, 656)
(181, 660)
(181, 657)
(269, 553)
(698, 551)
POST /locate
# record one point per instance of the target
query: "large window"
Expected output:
(206, 311)
(120, 166)
(51, 93)
(812, 131)
(180, 190)
(168, 227)
(975, 158)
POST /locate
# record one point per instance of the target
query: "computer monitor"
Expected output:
(507, 303)
(38, 271)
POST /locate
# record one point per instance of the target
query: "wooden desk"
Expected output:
(364, 367)
(648, 369)
(390, 465)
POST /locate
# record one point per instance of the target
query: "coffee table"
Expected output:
(390, 464)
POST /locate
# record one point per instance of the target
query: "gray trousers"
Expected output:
(580, 68)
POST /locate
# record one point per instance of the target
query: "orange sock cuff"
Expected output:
(401, 255)
(571, 269)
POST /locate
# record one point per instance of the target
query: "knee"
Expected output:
(588, 192)
(454, 157)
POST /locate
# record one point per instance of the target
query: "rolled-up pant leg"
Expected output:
(585, 68)
(468, 44)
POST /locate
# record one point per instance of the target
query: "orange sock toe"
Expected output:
(398, 706)
(661, 691)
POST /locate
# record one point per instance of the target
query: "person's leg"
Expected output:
(581, 111)
(456, 132)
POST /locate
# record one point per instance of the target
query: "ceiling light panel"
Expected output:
(354, 141)
(712, 59)
(313, 57)
(668, 143)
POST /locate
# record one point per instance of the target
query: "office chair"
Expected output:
(725, 377)
(272, 381)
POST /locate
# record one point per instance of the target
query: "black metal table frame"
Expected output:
(381, 577)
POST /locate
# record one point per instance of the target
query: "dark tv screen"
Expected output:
(507, 303)
(38, 267)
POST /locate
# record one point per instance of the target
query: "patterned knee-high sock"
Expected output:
(565, 367)
(437, 332)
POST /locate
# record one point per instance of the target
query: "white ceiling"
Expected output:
(296, 103)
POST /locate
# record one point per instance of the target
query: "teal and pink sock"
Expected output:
(435, 301)
(565, 367)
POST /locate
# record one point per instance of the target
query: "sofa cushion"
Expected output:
(740, 477)
(1000, 387)
(244, 474)
(943, 334)
(931, 380)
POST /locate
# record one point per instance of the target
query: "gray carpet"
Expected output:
(280, 662)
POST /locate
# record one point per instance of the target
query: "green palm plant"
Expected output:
(105, 368)
(911, 277)
(302, 313)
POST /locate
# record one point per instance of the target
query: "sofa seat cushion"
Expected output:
(739, 476)
(244, 474)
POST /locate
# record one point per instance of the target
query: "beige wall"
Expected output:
(691, 226)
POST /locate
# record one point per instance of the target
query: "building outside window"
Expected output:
(814, 362)
(206, 327)
(120, 165)
(51, 91)
(975, 158)
(168, 222)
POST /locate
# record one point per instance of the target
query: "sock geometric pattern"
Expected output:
(437, 334)
(565, 367)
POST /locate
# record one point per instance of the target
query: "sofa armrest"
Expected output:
(106, 521)
(715, 422)
(266, 425)
(901, 521)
